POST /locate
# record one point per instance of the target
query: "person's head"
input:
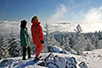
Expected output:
(35, 18)
(23, 23)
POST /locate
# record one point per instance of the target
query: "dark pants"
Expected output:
(24, 52)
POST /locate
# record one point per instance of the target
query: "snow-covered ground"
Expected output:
(93, 59)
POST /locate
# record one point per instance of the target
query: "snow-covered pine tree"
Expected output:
(32, 47)
(96, 39)
(78, 29)
(13, 44)
(99, 44)
(46, 31)
(79, 45)
(66, 44)
(3, 47)
(53, 41)
(58, 38)
(89, 45)
(99, 40)
(72, 40)
(100, 35)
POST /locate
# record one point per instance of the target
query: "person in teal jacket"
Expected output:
(25, 41)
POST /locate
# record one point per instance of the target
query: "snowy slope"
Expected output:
(93, 59)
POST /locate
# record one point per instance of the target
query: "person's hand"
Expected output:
(42, 41)
(26, 46)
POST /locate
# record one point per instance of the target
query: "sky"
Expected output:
(87, 13)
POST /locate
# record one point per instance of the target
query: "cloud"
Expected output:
(63, 26)
(94, 15)
(6, 26)
(59, 13)
(93, 20)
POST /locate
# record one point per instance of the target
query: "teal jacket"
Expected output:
(24, 37)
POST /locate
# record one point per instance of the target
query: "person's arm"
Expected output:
(25, 38)
(41, 36)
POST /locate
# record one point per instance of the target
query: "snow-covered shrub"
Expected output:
(13, 45)
(4, 47)
(52, 65)
(5, 62)
(57, 49)
(64, 52)
(54, 49)
(71, 63)
(60, 62)
(73, 51)
(83, 65)
(99, 56)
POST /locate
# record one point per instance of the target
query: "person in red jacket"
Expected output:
(37, 36)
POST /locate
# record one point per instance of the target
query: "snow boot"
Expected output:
(29, 57)
(23, 58)
(36, 59)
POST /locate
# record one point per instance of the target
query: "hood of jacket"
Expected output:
(35, 22)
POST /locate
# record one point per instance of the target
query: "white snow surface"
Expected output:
(56, 49)
(93, 59)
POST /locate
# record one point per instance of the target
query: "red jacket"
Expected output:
(37, 32)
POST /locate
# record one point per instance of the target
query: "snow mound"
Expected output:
(90, 59)
(57, 49)
(61, 62)
(54, 61)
